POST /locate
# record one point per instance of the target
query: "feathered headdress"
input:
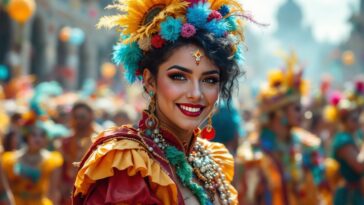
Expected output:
(147, 24)
(38, 113)
(283, 87)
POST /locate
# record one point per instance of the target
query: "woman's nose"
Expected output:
(195, 91)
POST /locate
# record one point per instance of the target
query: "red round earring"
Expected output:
(208, 132)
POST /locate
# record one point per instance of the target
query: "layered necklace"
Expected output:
(198, 163)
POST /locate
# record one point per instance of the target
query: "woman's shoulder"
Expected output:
(221, 155)
(51, 160)
(8, 158)
(121, 149)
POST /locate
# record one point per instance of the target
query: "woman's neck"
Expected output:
(282, 132)
(32, 151)
(84, 132)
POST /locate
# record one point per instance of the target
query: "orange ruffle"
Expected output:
(130, 156)
(225, 160)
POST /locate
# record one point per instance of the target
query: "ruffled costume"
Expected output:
(273, 183)
(120, 169)
(30, 185)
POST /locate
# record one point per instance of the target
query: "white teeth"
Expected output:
(190, 109)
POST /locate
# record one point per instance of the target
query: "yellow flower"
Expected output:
(235, 6)
(141, 18)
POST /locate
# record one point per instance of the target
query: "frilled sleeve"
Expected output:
(53, 161)
(8, 159)
(225, 161)
(121, 171)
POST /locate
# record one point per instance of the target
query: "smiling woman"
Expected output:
(186, 53)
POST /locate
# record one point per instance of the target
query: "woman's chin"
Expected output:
(189, 128)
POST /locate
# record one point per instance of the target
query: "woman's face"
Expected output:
(294, 115)
(36, 139)
(186, 90)
(81, 118)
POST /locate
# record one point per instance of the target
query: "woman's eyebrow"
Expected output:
(211, 72)
(180, 68)
(190, 71)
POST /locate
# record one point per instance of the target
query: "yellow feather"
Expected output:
(108, 22)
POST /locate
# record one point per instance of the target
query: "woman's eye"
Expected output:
(211, 80)
(177, 76)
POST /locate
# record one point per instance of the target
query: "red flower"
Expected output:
(214, 15)
(138, 72)
(157, 41)
(359, 86)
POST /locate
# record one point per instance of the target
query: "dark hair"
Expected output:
(83, 105)
(218, 50)
(32, 130)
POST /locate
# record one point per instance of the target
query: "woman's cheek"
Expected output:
(169, 88)
(211, 93)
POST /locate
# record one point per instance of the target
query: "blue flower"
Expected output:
(218, 27)
(129, 56)
(198, 14)
(224, 10)
(171, 28)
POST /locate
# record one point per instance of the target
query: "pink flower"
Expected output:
(336, 96)
(157, 41)
(214, 15)
(188, 30)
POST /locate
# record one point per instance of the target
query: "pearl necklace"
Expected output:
(204, 167)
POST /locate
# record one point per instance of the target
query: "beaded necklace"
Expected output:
(199, 163)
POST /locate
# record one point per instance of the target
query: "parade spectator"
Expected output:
(74, 147)
(33, 172)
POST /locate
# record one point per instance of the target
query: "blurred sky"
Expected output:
(328, 18)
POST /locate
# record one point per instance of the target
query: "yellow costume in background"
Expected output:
(30, 189)
(277, 170)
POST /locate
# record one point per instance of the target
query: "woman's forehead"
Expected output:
(189, 56)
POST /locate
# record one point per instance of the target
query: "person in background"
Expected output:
(281, 164)
(348, 151)
(33, 172)
(74, 147)
(121, 117)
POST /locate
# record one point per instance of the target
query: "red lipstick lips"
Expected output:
(191, 110)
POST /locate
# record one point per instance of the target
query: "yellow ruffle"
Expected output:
(53, 161)
(225, 160)
(130, 156)
(8, 159)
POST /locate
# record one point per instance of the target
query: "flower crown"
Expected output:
(339, 105)
(147, 24)
(284, 86)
